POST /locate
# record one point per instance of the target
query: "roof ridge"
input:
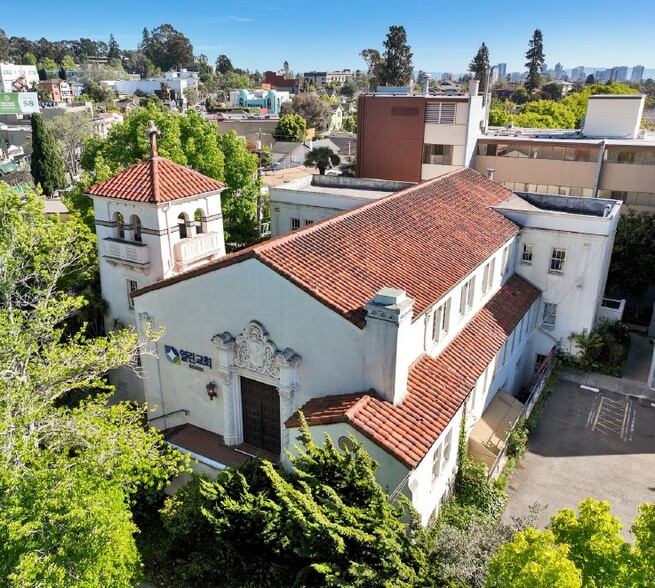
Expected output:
(331, 220)
(154, 179)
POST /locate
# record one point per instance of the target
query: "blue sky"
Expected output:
(444, 35)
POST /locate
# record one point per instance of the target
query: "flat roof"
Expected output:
(305, 185)
(552, 203)
(554, 136)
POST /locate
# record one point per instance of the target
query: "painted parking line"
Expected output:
(612, 418)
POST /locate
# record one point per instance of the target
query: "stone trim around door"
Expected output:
(253, 355)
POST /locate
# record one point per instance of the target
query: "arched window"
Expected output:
(181, 223)
(199, 219)
(120, 225)
(136, 227)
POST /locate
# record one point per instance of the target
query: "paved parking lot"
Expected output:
(588, 444)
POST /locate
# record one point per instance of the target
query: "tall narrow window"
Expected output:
(136, 227)
(466, 297)
(550, 314)
(181, 223)
(131, 287)
(503, 265)
(199, 221)
(526, 254)
(557, 260)
(441, 321)
(295, 224)
(120, 226)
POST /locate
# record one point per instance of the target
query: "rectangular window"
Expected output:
(488, 276)
(550, 314)
(441, 457)
(309, 222)
(557, 260)
(295, 224)
(438, 154)
(466, 297)
(539, 361)
(526, 254)
(131, 287)
(503, 265)
(441, 321)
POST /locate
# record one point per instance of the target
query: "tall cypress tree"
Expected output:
(47, 165)
(535, 56)
(397, 69)
(480, 65)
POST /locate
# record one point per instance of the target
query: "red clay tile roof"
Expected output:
(436, 387)
(212, 446)
(155, 180)
(424, 240)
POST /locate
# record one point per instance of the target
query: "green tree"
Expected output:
(49, 64)
(291, 127)
(315, 111)
(70, 130)
(520, 96)
(242, 199)
(536, 57)
(114, 50)
(350, 124)
(223, 64)
(69, 462)
(397, 69)
(641, 572)
(590, 80)
(532, 560)
(68, 63)
(325, 523)
(479, 66)
(47, 167)
(166, 47)
(374, 62)
(630, 273)
(595, 544)
(322, 158)
(4, 46)
(552, 91)
(29, 59)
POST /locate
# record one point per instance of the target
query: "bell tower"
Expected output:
(153, 220)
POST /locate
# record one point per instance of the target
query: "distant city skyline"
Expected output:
(443, 36)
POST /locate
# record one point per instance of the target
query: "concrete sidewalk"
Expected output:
(637, 376)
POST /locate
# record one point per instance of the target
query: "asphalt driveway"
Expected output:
(587, 444)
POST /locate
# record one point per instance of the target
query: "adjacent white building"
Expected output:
(386, 322)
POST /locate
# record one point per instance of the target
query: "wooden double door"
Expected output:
(260, 406)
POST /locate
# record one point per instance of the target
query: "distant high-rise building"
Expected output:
(494, 75)
(619, 73)
(637, 73)
(602, 75)
(447, 76)
(577, 74)
(502, 69)
(558, 71)
(544, 68)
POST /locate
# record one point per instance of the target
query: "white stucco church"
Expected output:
(386, 322)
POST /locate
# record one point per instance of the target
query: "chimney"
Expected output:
(474, 86)
(490, 173)
(388, 348)
(426, 83)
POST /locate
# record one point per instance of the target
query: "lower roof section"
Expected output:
(437, 387)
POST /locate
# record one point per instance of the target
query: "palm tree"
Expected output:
(322, 158)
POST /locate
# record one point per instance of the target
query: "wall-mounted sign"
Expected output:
(177, 357)
(19, 102)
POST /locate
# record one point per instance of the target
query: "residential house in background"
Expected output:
(59, 90)
(281, 82)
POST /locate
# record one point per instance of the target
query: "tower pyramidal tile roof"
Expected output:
(155, 180)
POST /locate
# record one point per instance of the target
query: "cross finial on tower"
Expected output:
(152, 131)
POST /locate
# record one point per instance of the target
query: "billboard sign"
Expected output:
(19, 102)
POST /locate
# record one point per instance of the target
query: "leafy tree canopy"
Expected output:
(69, 462)
(47, 166)
(315, 111)
(322, 158)
(167, 47)
(479, 66)
(397, 69)
(290, 127)
(325, 523)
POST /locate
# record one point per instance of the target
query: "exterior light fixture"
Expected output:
(211, 390)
